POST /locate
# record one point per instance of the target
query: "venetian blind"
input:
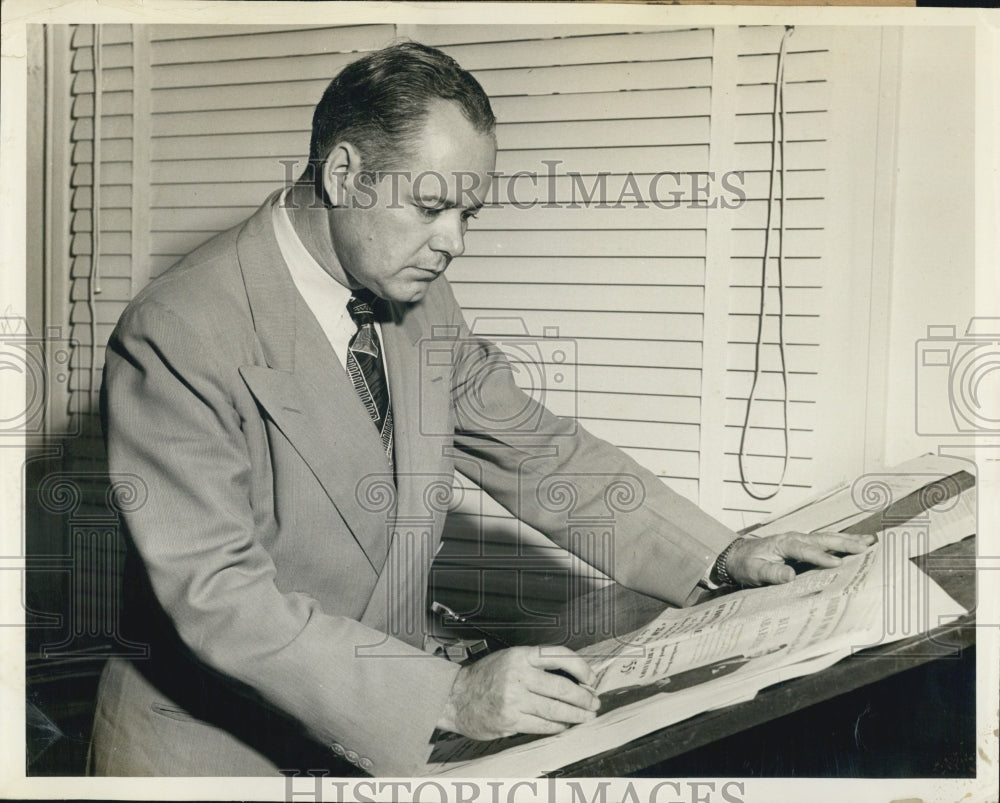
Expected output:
(805, 208)
(100, 214)
(613, 284)
(199, 123)
(230, 114)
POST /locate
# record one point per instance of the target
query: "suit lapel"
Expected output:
(307, 393)
(420, 391)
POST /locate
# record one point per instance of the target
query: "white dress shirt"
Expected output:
(325, 296)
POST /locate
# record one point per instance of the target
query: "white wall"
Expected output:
(933, 238)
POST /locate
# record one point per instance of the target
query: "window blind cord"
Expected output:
(94, 280)
(777, 155)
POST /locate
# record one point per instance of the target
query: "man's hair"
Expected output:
(379, 104)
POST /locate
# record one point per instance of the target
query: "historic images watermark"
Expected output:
(493, 355)
(552, 187)
(958, 380)
(44, 363)
(316, 787)
(93, 560)
(905, 521)
(957, 400)
(497, 388)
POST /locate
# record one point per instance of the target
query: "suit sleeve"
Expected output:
(546, 470)
(172, 419)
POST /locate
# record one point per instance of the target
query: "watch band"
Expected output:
(721, 568)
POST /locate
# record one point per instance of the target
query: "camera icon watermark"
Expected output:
(44, 362)
(487, 367)
(958, 380)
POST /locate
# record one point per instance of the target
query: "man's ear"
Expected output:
(339, 168)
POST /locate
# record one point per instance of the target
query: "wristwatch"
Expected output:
(720, 571)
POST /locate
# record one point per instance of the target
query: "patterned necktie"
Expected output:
(365, 366)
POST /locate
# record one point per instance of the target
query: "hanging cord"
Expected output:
(94, 280)
(777, 155)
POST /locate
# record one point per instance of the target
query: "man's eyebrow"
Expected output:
(446, 203)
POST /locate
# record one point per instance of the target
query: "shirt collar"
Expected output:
(306, 272)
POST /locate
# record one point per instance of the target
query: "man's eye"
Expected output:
(430, 211)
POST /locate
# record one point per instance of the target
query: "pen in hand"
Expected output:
(568, 676)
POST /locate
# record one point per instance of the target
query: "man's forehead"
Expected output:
(450, 145)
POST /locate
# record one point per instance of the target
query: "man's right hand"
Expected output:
(511, 692)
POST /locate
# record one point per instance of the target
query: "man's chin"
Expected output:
(410, 293)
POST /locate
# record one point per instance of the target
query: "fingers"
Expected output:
(763, 561)
(533, 724)
(815, 548)
(545, 684)
(512, 691)
(769, 573)
(553, 710)
(808, 553)
(557, 698)
(840, 542)
(560, 670)
(563, 658)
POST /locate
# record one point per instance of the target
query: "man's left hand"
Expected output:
(764, 561)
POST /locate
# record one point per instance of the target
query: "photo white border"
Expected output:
(17, 13)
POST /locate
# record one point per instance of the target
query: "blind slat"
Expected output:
(805, 96)
(610, 215)
(767, 38)
(798, 155)
(798, 126)
(596, 77)
(801, 387)
(111, 266)
(800, 413)
(634, 406)
(805, 242)
(645, 434)
(798, 328)
(583, 297)
(108, 311)
(248, 195)
(111, 287)
(810, 213)
(118, 220)
(605, 105)
(589, 270)
(441, 35)
(234, 45)
(570, 50)
(252, 71)
(185, 31)
(647, 160)
(809, 300)
(586, 243)
(577, 324)
(112, 103)
(653, 352)
(745, 271)
(761, 69)
(112, 243)
(666, 463)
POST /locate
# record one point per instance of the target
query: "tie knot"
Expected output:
(361, 307)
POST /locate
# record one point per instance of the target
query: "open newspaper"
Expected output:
(725, 650)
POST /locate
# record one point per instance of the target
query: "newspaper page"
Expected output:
(724, 651)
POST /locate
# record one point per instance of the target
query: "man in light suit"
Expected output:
(274, 570)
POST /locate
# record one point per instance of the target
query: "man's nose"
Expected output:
(449, 236)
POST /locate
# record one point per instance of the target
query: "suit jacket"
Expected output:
(280, 567)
